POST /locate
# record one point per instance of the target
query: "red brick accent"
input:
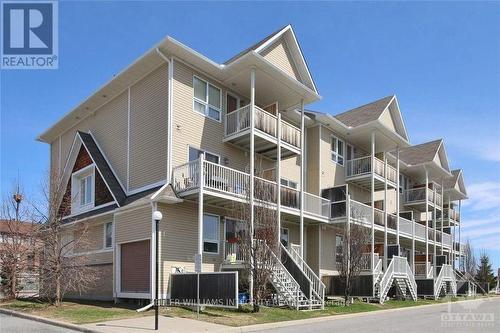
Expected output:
(102, 194)
(82, 160)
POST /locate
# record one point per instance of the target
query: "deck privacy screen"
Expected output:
(210, 289)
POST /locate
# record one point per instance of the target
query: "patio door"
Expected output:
(234, 233)
(232, 103)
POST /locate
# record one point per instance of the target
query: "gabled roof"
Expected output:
(423, 153)
(103, 167)
(456, 182)
(365, 113)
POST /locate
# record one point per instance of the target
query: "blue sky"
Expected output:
(441, 59)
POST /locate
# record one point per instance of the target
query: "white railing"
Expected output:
(362, 165)
(238, 120)
(360, 212)
(415, 195)
(366, 261)
(438, 200)
(419, 230)
(186, 176)
(446, 239)
(318, 287)
(233, 252)
(422, 268)
(405, 226)
(290, 134)
(264, 121)
(316, 205)
(398, 267)
(221, 178)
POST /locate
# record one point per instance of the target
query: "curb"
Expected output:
(288, 323)
(47, 321)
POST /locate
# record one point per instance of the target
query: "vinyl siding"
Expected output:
(290, 169)
(54, 158)
(313, 160)
(102, 289)
(149, 129)
(279, 55)
(332, 173)
(193, 128)
(328, 265)
(386, 119)
(93, 240)
(313, 259)
(133, 225)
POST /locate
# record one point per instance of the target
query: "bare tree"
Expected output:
(64, 265)
(261, 247)
(18, 244)
(353, 258)
(468, 262)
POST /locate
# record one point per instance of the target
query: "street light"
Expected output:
(157, 216)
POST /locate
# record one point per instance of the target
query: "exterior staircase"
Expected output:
(398, 273)
(291, 293)
(445, 282)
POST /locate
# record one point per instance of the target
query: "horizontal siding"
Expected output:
(101, 290)
(312, 251)
(290, 169)
(133, 225)
(312, 160)
(279, 56)
(149, 129)
(332, 174)
(193, 128)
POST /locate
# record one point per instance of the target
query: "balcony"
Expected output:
(359, 171)
(451, 216)
(237, 131)
(222, 184)
(416, 197)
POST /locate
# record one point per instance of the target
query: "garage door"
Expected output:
(135, 267)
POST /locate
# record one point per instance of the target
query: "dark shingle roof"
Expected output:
(422, 153)
(365, 113)
(104, 168)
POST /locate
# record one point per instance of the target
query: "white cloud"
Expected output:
(483, 196)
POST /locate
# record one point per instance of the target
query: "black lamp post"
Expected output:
(157, 216)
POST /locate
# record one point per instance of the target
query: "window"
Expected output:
(337, 147)
(207, 99)
(86, 185)
(339, 248)
(194, 154)
(289, 183)
(285, 236)
(108, 234)
(210, 233)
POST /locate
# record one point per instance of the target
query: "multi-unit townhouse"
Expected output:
(182, 134)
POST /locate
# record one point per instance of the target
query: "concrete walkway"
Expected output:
(166, 324)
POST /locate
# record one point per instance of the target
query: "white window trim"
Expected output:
(204, 152)
(288, 181)
(76, 207)
(112, 236)
(336, 151)
(221, 113)
(213, 241)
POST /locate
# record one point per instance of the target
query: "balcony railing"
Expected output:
(362, 166)
(222, 179)
(422, 268)
(233, 252)
(239, 120)
(450, 213)
(416, 195)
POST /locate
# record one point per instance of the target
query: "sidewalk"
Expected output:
(166, 324)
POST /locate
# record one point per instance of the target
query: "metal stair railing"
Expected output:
(292, 291)
(318, 287)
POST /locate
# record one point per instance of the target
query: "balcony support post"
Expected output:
(397, 196)
(201, 181)
(434, 221)
(454, 239)
(426, 219)
(302, 170)
(373, 201)
(385, 211)
(252, 174)
(278, 176)
(412, 258)
(459, 233)
(442, 217)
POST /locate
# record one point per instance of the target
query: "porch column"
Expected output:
(442, 216)
(412, 257)
(278, 177)
(453, 240)
(373, 200)
(426, 219)
(385, 211)
(252, 173)
(459, 233)
(201, 181)
(302, 177)
(434, 221)
(397, 196)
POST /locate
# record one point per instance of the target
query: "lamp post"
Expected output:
(157, 216)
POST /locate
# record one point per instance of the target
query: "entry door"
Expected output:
(232, 103)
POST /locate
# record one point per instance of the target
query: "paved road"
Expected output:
(474, 316)
(10, 324)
